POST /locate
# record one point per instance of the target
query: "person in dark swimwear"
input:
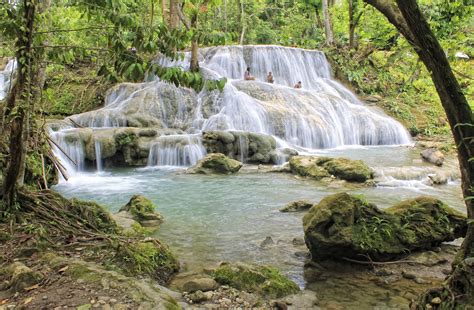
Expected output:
(298, 85)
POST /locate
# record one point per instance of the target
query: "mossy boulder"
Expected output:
(148, 257)
(322, 167)
(345, 226)
(346, 169)
(307, 166)
(215, 163)
(22, 277)
(143, 211)
(263, 280)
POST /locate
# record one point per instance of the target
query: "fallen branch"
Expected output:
(44, 172)
(380, 263)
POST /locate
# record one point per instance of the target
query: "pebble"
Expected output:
(469, 261)
(408, 275)
(383, 272)
(113, 300)
(421, 281)
(45, 297)
(436, 301)
(102, 302)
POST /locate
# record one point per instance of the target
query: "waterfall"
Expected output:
(69, 149)
(322, 114)
(176, 150)
(6, 77)
(98, 155)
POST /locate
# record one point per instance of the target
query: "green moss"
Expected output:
(342, 225)
(125, 138)
(147, 258)
(216, 163)
(259, 279)
(142, 209)
(94, 215)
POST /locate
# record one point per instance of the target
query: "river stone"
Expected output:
(438, 179)
(303, 300)
(200, 284)
(215, 163)
(433, 155)
(296, 206)
(342, 225)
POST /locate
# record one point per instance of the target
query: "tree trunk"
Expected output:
(174, 19)
(327, 23)
(318, 18)
(242, 21)
(20, 92)
(194, 67)
(164, 12)
(408, 18)
(351, 24)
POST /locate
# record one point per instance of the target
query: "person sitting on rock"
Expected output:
(248, 76)
(270, 78)
(298, 85)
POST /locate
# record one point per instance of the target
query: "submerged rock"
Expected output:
(342, 225)
(433, 155)
(143, 211)
(263, 280)
(215, 163)
(321, 167)
(296, 206)
(200, 284)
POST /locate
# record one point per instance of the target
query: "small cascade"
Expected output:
(69, 149)
(98, 156)
(413, 176)
(6, 77)
(176, 150)
(243, 148)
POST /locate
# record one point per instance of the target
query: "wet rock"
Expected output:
(342, 225)
(296, 206)
(323, 167)
(436, 301)
(240, 145)
(298, 241)
(215, 163)
(373, 98)
(200, 284)
(383, 272)
(303, 254)
(433, 155)
(263, 280)
(267, 242)
(141, 210)
(438, 179)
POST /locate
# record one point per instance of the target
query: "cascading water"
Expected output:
(68, 149)
(6, 76)
(98, 156)
(176, 150)
(323, 114)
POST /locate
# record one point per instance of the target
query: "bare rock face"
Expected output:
(433, 155)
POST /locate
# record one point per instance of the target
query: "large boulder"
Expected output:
(345, 226)
(433, 155)
(143, 211)
(215, 163)
(240, 145)
(263, 280)
(321, 167)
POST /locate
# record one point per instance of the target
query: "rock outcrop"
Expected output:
(345, 226)
(240, 145)
(321, 167)
(215, 163)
